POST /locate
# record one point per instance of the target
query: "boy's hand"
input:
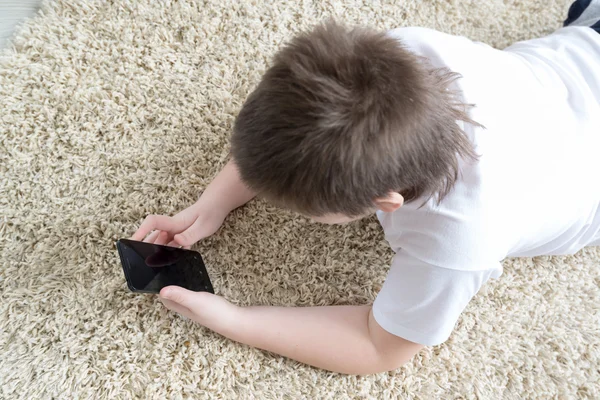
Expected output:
(205, 308)
(224, 194)
(184, 229)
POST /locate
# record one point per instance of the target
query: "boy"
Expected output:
(461, 171)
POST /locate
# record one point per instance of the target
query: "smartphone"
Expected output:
(150, 267)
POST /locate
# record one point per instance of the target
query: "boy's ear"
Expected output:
(389, 203)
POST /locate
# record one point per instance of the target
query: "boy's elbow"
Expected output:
(392, 352)
(391, 363)
(377, 367)
(385, 360)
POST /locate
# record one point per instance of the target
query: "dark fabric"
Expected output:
(575, 11)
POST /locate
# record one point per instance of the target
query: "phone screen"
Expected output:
(150, 267)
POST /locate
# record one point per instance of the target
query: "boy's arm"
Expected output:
(227, 191)
(344, 339)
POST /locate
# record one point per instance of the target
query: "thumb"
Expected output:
(191, 235)
(179, 295)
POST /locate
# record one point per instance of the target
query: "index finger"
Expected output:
(153, 222)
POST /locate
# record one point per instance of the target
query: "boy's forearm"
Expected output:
(227, 191)
(337, 338)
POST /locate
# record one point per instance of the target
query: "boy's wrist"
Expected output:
(207, 204)
(226, 321)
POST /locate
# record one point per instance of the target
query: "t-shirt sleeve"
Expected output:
(421, 302)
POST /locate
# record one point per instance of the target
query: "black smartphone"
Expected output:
(150, 267)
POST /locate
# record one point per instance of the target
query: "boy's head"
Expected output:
(345, 122)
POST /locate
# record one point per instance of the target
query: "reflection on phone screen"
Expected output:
(151, 267)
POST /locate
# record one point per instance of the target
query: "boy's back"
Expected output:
(534, 190)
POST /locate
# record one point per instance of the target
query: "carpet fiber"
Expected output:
(110, 111)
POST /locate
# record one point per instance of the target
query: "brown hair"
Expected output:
(344, 116)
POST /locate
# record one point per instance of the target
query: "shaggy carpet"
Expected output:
(110, 111)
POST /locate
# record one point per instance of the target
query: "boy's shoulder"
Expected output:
(453, 234)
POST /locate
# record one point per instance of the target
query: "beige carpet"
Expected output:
(109, 112)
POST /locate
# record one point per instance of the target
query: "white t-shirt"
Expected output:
(535, 190)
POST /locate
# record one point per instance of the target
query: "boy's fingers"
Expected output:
(152, 237)
(174, 243)
(177, 308)
(191, 235)
(178, 295)
(154, 222)
(162, 238)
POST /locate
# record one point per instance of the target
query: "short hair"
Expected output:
(344, 116)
